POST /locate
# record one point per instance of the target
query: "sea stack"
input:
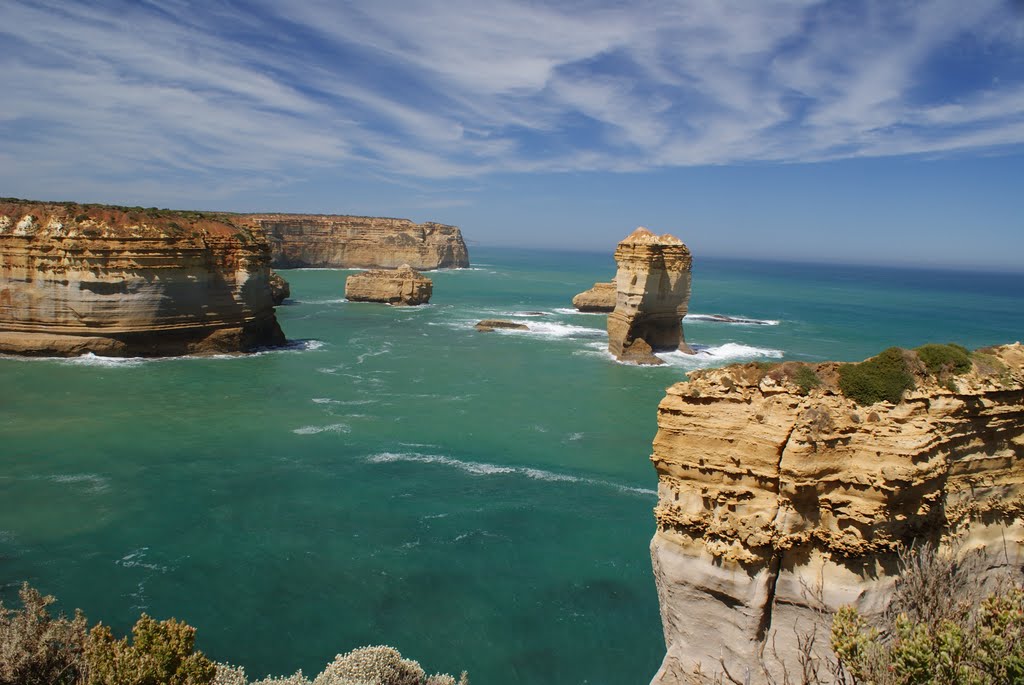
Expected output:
(652, 293)
(599, 299)
(778, 497)
(280, 289)
(360, 242)
(403, 286)
(116, 281)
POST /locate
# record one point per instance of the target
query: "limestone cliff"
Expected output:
(652, 294)
(130, 282)
(600, 298)
(773, 485)
(403, 286)
(311, 240)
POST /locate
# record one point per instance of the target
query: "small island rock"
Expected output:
(279, 288)
(600, 299)
(403, 286)
(488, 325)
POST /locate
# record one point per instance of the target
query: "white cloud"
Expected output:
(250, 95)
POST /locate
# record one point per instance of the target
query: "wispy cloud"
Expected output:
(213, 97)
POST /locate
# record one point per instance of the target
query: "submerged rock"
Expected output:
(488, 325)
(779, 497)
(403, 286)
(118, 281)
(652, 293)
(600, 298)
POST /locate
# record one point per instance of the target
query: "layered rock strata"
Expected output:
(359, 242)
(777, 499)
(122, 282)
(652, 294)
(403, 286)
(599, 299)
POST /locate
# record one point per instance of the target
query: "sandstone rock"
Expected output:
(488, 325)
(600, 298)
(123, 282)
(308, 240)
(769, 493)
(652, 293)
(403, 286)
(280, 290)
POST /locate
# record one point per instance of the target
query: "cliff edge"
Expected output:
(778, 495)
(119, 281)
(359, 242)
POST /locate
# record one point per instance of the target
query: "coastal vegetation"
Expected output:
(883, 377)
(38, 648)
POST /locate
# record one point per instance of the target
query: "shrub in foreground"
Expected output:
(38, 649)
(943, 360)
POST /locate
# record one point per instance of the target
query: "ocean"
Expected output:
(481, 501)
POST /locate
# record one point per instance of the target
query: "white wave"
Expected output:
(483, 469)
(332, 428)
(704, 356)
(94, 482)
(529, 313)
(575, 436)
(332, 300)
(730, 319)
(573, 311)
(90, 359)
(386, 348)
(136, 559)
(550, 330)
(325, 400)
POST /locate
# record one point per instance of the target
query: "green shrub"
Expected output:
(161, 654)
(37, 649)
(884, 377)
(805, 379)
(945, 359)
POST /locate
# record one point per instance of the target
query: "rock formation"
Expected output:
(600, 298)
(309, 240)
(403, 286)
(773, 488)
(489, 325)
(652, 292)
(130, 282)
(280, 290)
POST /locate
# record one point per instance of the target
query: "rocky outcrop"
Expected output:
(778, 496)
(280, 290)
(359, 242)
(403, 286)
(489, 325)
(130, 282)
(652, 293)
(599, 299)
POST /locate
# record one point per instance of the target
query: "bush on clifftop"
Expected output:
(945, 359)
(884, 377)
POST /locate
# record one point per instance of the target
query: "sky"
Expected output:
(850, 131)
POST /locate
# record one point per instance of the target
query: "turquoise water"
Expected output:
(480, 501)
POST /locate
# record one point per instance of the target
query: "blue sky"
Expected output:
(882, 131)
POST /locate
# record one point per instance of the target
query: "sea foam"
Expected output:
(483, 469)
(332, 428)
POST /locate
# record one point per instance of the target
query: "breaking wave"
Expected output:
(483, 469)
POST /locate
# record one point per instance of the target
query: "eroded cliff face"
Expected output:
(652, 294)
(310, 240)
(122, 282)
(770, 493)
(403, 286)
